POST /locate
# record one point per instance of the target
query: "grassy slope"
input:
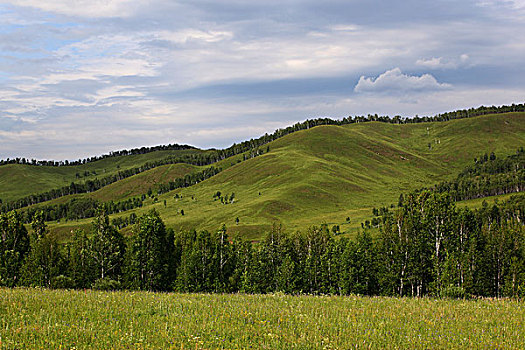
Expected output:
(17, 181)
(53, 319)
(478, 202)
(328, 173)
(132, 186)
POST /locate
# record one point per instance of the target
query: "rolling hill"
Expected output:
(20, 180)
(325, 174)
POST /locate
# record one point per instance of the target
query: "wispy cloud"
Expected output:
(443, 63)
(83, 8)
(84, 77)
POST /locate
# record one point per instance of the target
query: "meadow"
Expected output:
(86, 319)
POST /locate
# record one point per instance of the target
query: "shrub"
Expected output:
(453, 292)
(106, 283)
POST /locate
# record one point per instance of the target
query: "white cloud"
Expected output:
(443, 63)
(189, 34)
(514, 4)
(394, 81)
(154, 71)
(83, 8)
(346, 28)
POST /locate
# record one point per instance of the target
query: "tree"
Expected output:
(14, 245)
(108, 248)
(38, 225)
(222, 260)
(400, 200)
(150, 254)
(44, 261)
(82, 268)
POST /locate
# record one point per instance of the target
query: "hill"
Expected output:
(327, 174)
(20, 180)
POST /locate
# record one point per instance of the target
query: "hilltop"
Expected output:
(328, 173)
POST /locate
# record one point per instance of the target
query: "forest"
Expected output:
(426, 246)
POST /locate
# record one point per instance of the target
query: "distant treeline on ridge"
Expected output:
(213, 155)
(130, 152)
(254, 143)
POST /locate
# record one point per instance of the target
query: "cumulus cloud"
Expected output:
(395, 81)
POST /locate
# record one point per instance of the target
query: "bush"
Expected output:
(62, 282)
(106, 283)
(453, 292)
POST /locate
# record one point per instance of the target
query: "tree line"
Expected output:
(80, 208)
(427, 246)
(124, 152)
(254, 143)
(488, 176)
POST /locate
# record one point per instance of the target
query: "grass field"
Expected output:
(58, 319)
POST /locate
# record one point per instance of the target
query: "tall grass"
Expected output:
(58, 319)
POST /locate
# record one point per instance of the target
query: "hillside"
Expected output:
(330, 173)
(20, 180)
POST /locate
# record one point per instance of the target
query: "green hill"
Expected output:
(327, 174)
(20, 180)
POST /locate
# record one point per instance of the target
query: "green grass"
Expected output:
(59, 319)
(478, 202)
(132, 186)
(17, 180)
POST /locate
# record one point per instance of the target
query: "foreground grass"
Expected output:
(44, 319)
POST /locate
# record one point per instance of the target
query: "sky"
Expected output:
(80, 78)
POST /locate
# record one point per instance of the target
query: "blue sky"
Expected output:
(82, 78)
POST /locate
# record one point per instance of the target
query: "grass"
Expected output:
(325, 174)
(17, 180)
(44, 319)
(328, 173)
(478, 202)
